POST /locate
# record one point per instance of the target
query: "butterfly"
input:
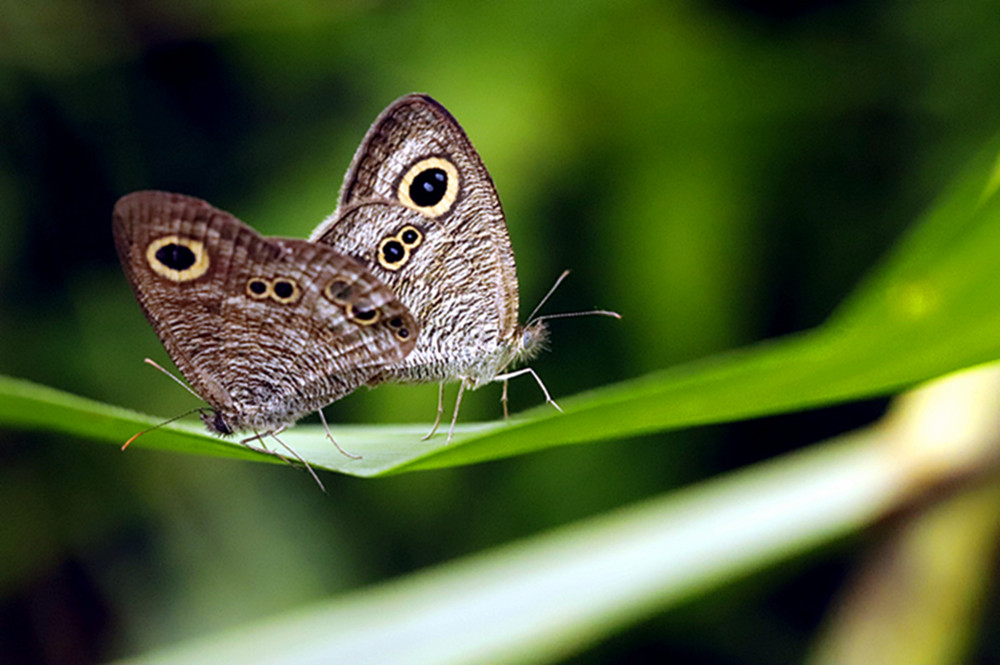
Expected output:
(412, 279)
(265, 330)
(418, 208)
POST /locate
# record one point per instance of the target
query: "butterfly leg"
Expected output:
(458, 402)
(274, 435)
(526, 370)
(437, 419)
(329, 435)
(257, 436)
(503, 400)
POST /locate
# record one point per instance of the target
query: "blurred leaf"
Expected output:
(919, 596)
(539, 599)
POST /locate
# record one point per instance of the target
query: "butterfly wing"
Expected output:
(264, 329)
(420, 210)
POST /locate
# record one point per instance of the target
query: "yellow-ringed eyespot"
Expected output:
(362, 314)
(392, 254)
(410, 236)
(430, 186)
(338, 291)
(178, 259)
(394, 251)
(285, 290)
(258, 288)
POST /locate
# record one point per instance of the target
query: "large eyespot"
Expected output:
(392, 255)
(178, 259)
(258, 288)
(430, 186)
(285, 290)
(362, 314)
(338, 291)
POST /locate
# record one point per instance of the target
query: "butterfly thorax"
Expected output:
(475, 365)
(523, 346)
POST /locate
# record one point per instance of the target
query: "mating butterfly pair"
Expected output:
(411, 279)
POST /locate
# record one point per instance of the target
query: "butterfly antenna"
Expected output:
(150, 361)
(567, 315)
(183, 385)
(564, 315)
(559, 280)
(165, 422)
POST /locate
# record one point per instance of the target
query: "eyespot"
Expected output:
(401, 333)
(430, 186)
(178, 259)
(392, 255)
(285, 290)
(338, 291)
(394, 251)
(410, 236)
(258, 288)
(359, 313)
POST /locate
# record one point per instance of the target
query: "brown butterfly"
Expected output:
(265, 330)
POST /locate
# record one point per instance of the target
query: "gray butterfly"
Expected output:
(419, 209)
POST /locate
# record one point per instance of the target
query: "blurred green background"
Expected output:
(718, 172)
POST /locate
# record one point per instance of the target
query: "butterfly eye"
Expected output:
(178, 259)
(430, 186)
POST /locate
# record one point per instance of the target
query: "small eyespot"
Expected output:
(410, 236)
(430, 186)
(258, 288)
(393, 251)
(285, 290)
(365, 317)
(178, 259)
(391, 254)
(338, 291)
(402, 334)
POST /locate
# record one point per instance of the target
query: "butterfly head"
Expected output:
(215, 421)
(534, 340)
